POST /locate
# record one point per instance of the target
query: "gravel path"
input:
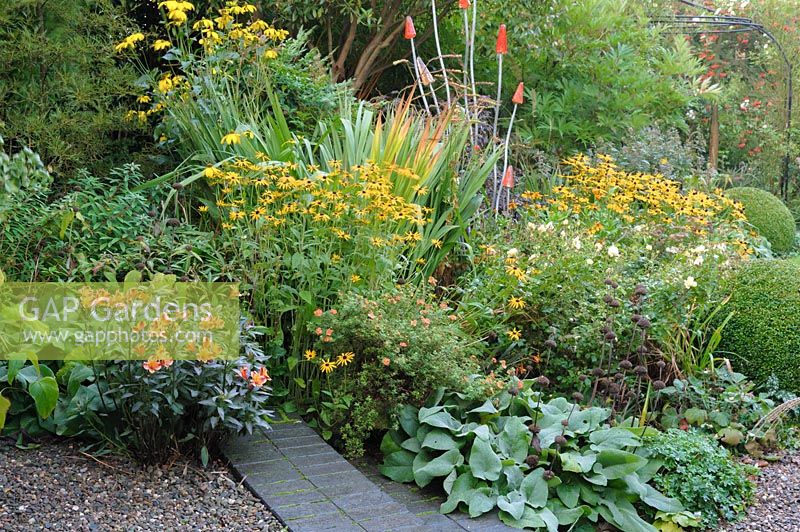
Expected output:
(777, 504)
(55, 487)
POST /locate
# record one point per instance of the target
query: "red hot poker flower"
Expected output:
(463, 4)
(518, 95)
(508, 178)
(409, 31)
(502, 40)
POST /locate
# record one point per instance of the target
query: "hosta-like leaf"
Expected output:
(513, 503)
(576, 462)
(532, 519)
(514, 476)
(534, 488)
(411, 444)
(390, 443)
(441, 441)
(614, 464)
(483, 461)
(514, 440)
(566, 516)
(438, 417)
(460, 492)
(585, 421)
(397, 466)
(448, 482)
(426, 470)
(486, 408)
(613, 438)
(652, 496)
(481, 500)
(623, 515)
(569, 493)
(408, 420)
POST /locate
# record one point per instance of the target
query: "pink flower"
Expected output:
(318, 312)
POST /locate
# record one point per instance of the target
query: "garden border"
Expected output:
(308, 486)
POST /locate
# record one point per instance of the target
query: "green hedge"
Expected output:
(768, 214)
(763, 336)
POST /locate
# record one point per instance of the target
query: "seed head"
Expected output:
(534, 428)
(577, 397)
(548, 475)
(640, 370)
(640, 290)
(560, 440)
(625, 365)
(550, 343)
(532, 460)
(542, 381)
(659, 385)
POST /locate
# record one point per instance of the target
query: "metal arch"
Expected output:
(720, 24)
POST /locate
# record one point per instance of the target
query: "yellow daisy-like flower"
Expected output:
(203, 208)
(310, 354)
(161, 44)
(143, 99)
(270, 54)
(231, 138)
(516, 303)
(514, 334)
(326, 366)
(355, 278)
(345, 358)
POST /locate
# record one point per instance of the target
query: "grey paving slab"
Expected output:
(310, 487)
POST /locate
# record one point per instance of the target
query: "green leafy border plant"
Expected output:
(543, 464)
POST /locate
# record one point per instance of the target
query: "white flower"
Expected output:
(598, 246)
(699, 249)
(648, 247)
(543, 228)
(698, 261)
(589, 262)
(673, 250)
(689, 283)
(576, 242)
(613, 251)
(511, 253)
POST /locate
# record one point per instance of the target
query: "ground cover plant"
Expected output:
(543, 463)
(517, 253)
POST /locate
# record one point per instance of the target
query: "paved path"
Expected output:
(310, 487)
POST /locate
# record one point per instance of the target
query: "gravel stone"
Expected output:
(56, 487)
(775, 508)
